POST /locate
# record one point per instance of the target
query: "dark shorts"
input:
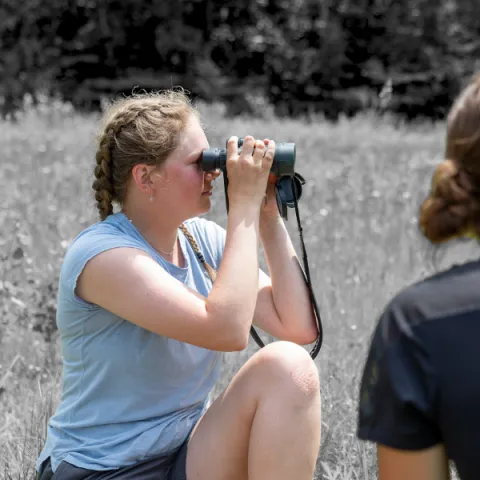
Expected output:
(171, 467)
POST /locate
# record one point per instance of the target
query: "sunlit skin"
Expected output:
(428, 464)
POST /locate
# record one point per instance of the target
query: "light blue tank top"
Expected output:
(127, 393)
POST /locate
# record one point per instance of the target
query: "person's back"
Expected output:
(420, 389)
(454, 343)
(421, 385)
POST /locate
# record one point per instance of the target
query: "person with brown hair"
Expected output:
(149, 298)
(420, 389)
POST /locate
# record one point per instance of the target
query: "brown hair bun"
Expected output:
(450, 210)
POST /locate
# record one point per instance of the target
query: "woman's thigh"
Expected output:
(219, 444)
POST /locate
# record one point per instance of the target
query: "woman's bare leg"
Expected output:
(265, 425)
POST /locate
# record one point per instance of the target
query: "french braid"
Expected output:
(102, 185)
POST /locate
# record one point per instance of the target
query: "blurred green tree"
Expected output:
(301, 56)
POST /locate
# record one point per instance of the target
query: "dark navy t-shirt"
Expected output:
(421, 382)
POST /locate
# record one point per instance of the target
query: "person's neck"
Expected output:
(160, 233)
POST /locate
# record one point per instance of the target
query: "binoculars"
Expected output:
(283, 161)
(288, 185)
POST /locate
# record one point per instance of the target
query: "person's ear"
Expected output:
(142, 177)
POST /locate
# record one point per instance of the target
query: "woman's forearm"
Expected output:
(231, 302)
(290, 292)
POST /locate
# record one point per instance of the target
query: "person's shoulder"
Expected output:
(445, 293)
(96, 232)
(96, 238)
(455, 286)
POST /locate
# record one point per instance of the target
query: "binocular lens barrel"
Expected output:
(213, 159)
(283, 160)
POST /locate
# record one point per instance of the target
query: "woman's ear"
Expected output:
(142, 177)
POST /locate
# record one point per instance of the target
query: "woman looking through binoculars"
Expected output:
(150, 297)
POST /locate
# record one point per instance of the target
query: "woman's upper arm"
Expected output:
(132, 285)
(427, 464)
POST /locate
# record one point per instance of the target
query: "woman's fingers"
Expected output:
(259, 152)
(232, 147)
(248, 147)
(269, 155)
(249, 168)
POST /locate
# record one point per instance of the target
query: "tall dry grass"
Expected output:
(365, 180)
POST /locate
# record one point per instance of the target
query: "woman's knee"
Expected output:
(289, 365)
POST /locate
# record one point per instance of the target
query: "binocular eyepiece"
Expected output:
(283, 160)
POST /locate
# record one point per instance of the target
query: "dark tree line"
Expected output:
(301, 56)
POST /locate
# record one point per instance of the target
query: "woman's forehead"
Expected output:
(194, 138)
(193, 142)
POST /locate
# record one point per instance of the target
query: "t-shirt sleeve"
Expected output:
(396, 405)
(85, 247)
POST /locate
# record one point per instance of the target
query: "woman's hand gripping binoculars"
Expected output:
(244, 156)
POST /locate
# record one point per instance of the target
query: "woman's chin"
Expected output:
(206, 204)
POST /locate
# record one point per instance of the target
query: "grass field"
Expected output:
(365, 180)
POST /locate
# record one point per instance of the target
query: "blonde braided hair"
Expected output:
(102, 184)
(210, 270)
(142, 128)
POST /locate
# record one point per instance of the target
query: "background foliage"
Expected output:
(301, 56)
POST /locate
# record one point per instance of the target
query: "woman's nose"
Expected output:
(212, 175)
